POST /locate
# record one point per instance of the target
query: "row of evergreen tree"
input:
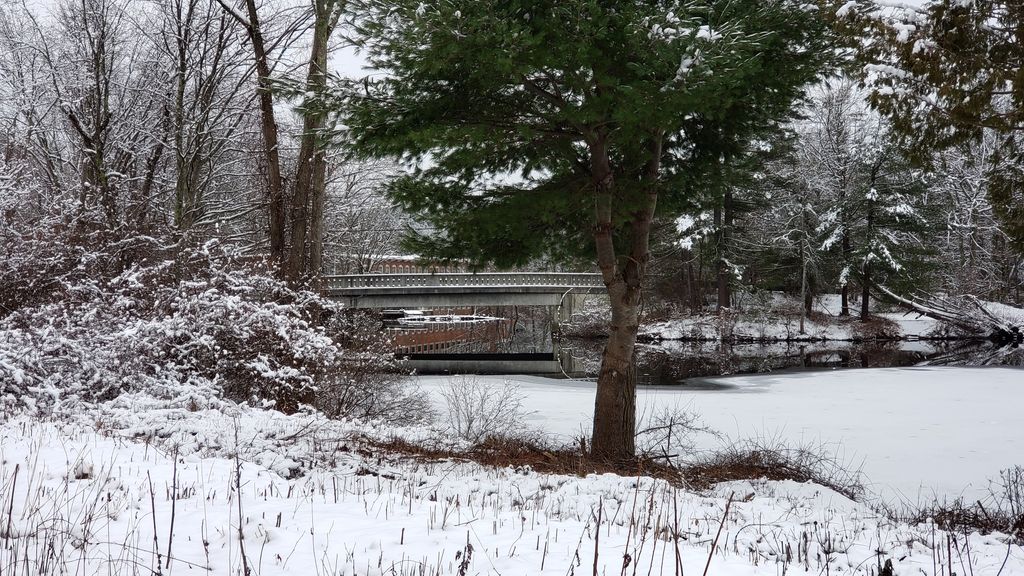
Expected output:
(833, 205)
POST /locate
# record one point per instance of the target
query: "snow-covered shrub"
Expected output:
(368, 382)
(49, 244)
(478, 409)
(1009, 496)
(195, 326)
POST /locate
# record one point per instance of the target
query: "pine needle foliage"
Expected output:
(561, 128)
(947, 73)
(495, 101)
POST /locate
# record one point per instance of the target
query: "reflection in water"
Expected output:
(481, 330)
(974, 354)
(673, 362)
(517, 330)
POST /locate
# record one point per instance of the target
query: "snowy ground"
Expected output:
(176, 501)
(910, 324)
(918, 433)
(1013, 315)
(746, 327)
(778, 318)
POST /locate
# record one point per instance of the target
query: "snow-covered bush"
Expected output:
(49, 244)
(194, 325)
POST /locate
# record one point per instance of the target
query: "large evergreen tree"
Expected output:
(873, 215)
(946, 73)
(560, 127)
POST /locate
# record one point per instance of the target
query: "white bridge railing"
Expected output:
(457, 279)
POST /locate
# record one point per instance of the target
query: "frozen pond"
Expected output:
(917, 432)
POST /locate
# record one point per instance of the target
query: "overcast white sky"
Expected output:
(345, 62)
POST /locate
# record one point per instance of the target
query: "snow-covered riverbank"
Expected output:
(769, 317)
(79, 502)
(778, 319)
(775, 317)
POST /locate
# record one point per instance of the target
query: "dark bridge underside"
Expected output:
(519, 363)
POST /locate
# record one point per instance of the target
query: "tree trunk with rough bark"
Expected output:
(268, 127)
(142, 202)
(721, 264)
(615, 404)
(844, 308)
(803, 287)
(865, 294)
(307, 205)
(316, 220)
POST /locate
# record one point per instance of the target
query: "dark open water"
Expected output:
(673, 362)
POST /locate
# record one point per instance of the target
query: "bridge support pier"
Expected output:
(563, 312)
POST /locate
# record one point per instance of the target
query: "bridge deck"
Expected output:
(511, 280)
(460, 289)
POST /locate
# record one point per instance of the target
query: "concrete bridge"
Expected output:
(455, 289)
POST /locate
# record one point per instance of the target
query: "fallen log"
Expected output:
(967, 313)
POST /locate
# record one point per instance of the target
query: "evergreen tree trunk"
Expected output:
(723, 287)
(723, 221)
(844, 309)
(694, 289)
(615, 404)
(614, 434)
(807, 229)
(803, 287)
(865, 292)
(866, 278)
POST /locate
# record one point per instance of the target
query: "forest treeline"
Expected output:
(200, 119)
(833, 205)
(167, 165)
(185, 119)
